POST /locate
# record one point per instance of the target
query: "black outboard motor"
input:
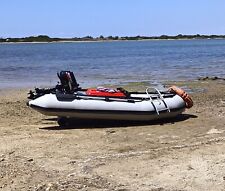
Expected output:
(67, 85)
(68, 82)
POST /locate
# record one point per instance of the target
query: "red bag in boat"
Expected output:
(105, 92)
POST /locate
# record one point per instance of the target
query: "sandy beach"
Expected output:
(186, 153)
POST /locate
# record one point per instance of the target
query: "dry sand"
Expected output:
(187, 153)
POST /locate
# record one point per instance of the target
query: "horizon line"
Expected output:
(106, 36)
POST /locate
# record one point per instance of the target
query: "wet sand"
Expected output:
(186, 153)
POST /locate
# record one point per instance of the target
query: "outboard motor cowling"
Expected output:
(68, 82)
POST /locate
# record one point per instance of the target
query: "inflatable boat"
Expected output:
(68, 100)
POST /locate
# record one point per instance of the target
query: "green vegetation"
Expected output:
(45, 38)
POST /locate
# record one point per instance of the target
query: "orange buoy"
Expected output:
(183, 95)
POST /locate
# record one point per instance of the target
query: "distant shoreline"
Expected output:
(99, 41)
(47, 39)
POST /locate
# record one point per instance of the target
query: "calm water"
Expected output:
(94, 63)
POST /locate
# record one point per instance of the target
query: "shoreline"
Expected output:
(98, 41)
(141, 83)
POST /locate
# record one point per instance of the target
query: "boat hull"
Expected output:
(109, 110)
(109, 115)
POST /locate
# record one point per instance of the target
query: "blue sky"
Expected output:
(70, 18)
